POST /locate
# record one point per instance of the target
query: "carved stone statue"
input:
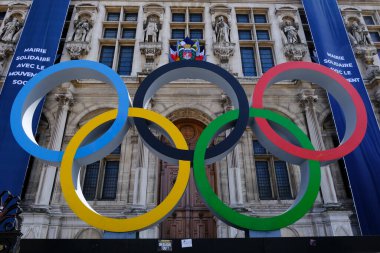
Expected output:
(82, 29)
(79, 45)
(151, 47)
(358, 34)
(223, 48)
(291, 31)
(9, 36)
(294, 49)
(362, 45)
(151, 32)
(11, 30)
(222, 30)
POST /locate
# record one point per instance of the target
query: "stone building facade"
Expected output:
(244, 37)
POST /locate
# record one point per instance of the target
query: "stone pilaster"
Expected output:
(45, 187)
(141, 178)
(233, 167)
(141, 173)
(307, 102)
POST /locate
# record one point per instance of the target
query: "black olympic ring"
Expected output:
(194, 70)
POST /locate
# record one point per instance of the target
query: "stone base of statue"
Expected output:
(224, 50)
(365, 52)
(295, 52)
(77, 49)
(372, 72)
(151, 50)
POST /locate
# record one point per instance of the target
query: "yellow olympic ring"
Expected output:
(82, 209)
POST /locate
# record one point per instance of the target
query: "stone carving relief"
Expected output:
(294, 48)
(222, 30)
(361, 42)
(82, 30)
(10, 31)
(152, 28)
(186, 113)
(79, 42)
(290, 30)
(222, 46)
(151, 47)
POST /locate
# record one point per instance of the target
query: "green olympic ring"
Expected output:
(306, 196)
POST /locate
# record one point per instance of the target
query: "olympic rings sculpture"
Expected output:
(282, 138)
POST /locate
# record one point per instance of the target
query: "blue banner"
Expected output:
(363, 165)
(35, 51)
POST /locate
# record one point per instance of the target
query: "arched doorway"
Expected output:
(191, 219)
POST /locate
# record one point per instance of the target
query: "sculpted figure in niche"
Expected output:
(222, 30)
(291, 31)
(10, 30)
(151, 30)
(358, 34)
(82, 30)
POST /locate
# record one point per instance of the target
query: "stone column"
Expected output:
(233, 167)
(141, 178)
(307, 101)
(45, 187)
(141, 173)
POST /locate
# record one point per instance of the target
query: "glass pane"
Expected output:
(258, 149)
(248, 61)
(262, 35)
(378, 53)
(196, 34)
(266, 57)
(245, 35)
(242, 18)
(117, 151)
(91, 181)
(129, 33)
(111, 174)
(65, 30)
(113, 16)
(260, 18)
(303, 18)
(130, 17)
(308, 35)
(375, 36)
(369, 20)
(59, 52)
(313, 54)
(125, 61)
(106, 55)
(110, 33)
(68, 16)
(196, 17)
(178, 34)
(178, 17)
(282, 178)
(263, 180)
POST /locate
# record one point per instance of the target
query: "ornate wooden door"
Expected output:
(191, 219)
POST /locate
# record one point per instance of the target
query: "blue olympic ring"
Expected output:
(30, 96)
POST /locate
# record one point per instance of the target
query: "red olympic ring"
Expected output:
(347, 145)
